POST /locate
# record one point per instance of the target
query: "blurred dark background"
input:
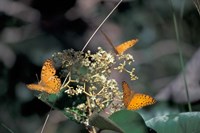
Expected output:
(32, 30)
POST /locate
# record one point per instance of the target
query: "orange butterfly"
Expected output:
(49, 82)
(120, 49)
(133, 100)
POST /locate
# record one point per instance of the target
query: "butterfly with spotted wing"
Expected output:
(49, 82)
(133, 100)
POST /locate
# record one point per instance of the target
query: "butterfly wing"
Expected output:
(140, 100)
(48, 70)
(127, 94)
(49, 82)
(53, 85)
(135, 101)
(126, 45)
(37, 87)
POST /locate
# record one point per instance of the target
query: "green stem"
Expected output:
(181, 58)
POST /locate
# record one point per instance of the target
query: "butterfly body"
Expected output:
(49, 82)
(133, 100)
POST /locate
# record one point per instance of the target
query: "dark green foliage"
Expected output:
(62, 100)
(129, 121)
(103, 123)
(122, 121)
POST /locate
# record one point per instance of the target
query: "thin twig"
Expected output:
(65, 80)
(90, 113)
(101, 91)
(3, 125)
(197, 4)
(47, 118)
(101, 25)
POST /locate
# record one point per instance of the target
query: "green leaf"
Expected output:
(177, 123)
(103, 123)
(129, 121)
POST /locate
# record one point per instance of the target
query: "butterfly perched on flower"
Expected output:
(49, 82)
(133, 100)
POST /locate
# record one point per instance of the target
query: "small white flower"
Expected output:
(68, 91)
(103, 78)
(93, 97)
(81, 106)
(79, 91)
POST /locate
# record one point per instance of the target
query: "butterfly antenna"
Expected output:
(101, 25)
(37, 77)
(109, 41)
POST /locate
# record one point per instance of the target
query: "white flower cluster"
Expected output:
(90, 74)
